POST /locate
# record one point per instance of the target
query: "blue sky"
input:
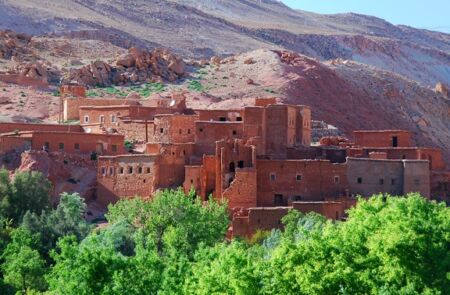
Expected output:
(427, 14)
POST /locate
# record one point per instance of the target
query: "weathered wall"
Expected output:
(71, 106)
(174, 129)
(367, 176)
(434, 156)
(72, 91)
(416, 178)
(125, 176)
(220, 115)
(103, 144)
(207, 133)
(295, 180)
(242, 192)
(382, 138)
(13, 127)
(14, 143)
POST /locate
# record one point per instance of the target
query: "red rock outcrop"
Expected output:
(135, 66)
(13, 44)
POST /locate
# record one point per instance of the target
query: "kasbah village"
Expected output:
(260, 159)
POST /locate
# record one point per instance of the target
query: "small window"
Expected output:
(298, 177)
(86, 119)
(111, 171)
(241, 164)
(113, 118)
(77, 146)
(381, 181)
(121, 170)
(239, 119)
(337, 179)
(394, 141)
(223, 119)
(102, 119)
(161, 130)
(148, 170)
(201, 129)
(61, 145)
(114, 148)
(359, 180)
(189, 131)
(47, 145)
(180, 131)
(140, 170)
(393, 181)
(234, 132)
(192, 181)
(130, 170)
(273, 177)
(103, 171)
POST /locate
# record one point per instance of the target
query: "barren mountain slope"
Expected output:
(346, 94)
(222, 27)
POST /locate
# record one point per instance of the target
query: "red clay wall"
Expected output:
(14, 143)
(72, 91)
(125, 177)
(104, 144)
(72, 105)
(382, 138)
(220, 115)
(13, 127)
(298, 180)
(207, 133)
(242, 192)
(174, 129)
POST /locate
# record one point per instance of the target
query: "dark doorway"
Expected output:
(395, 141)
(232, 167)
(278, 200)
(241, 164)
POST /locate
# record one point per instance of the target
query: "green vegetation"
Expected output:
(71, 122)
(144, 90)
(129, 145)
(269, 90)
(175, 244)
(195, 86)
(57, 93)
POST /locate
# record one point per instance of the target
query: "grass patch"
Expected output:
(195, 86)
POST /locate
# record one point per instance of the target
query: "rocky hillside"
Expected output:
(203, 28)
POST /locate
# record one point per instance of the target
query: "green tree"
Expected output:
(388, 245)
(227, 269)
(66, 219)
(23, 267)
(148, 247)
(28, 191)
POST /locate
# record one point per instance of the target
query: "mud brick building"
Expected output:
(259, 159)
(58, 138)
